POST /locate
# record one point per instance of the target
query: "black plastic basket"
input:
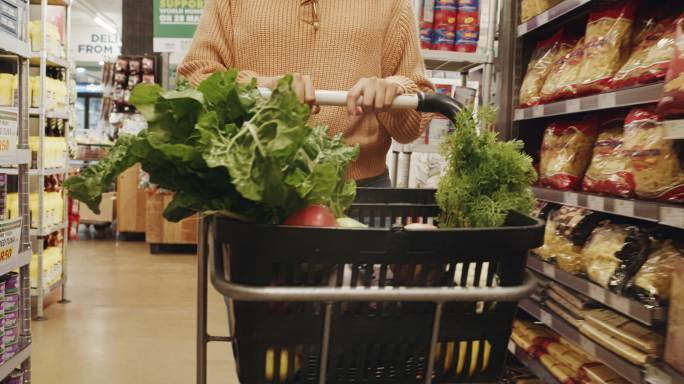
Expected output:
(283, 339)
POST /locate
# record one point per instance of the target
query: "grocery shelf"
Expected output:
(631, 308)
(34, 291)
(51, 114)
(627, 370)
(621, 98)
(663, 213)
(25, 258)
(552, 14)
(531, 363)
(48, 230)
(52, 60)
(10, 365)
(36, 172)
(674, 129)
(661, 373)
(453, 61)
(15, 157)
(12, 45)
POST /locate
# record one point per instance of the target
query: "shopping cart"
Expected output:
(382, 304)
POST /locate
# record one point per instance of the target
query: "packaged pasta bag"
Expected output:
(658, 169)
(671, 103)
(610, 171)
(607, 44)
(544, 56)
(566, 153)
(651, 56)
(613, 254)
(651, 285)
(567, 230)
(561, 83)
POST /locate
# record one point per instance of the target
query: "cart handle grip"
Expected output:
(242, 292)
(421, 102)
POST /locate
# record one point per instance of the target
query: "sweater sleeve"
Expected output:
(212, 48)
(403, 63)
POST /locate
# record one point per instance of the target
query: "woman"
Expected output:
(369, 47)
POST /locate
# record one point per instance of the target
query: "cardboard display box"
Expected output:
(106, 211)
(160, 231)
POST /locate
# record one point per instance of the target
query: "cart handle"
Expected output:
(421, 102)
(242, 292)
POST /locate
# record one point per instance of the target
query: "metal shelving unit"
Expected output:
(632, 373)
(15, 122)
(632, 308)
(44, 60)
(461, 62)
(532, 364)
(621, 98)
(674, 129)
(561, 9)
(516, 42)
(663, 213)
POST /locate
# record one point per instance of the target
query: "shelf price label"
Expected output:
(672, 216)
(549, 270)
(538, 111)
(546, 318)
(9, 119)
(571, 198)
(572, 106)
(10, 239)
(623, 207)
(597, 293)
(607, 100)
(596, 203)
(519, 114)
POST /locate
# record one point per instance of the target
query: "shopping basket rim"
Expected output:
(535, 223)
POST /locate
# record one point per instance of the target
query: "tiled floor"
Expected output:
(131, 320)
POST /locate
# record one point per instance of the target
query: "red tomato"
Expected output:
(312, 216)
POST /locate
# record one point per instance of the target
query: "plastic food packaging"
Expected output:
(674, 348)
(576, 312)
(444, 26)
(613, 254)
(576, 300)
(618, 347)
(532, 8)
(607, 44)
(626, 330)
(568, 356)
(658, 170)
(610, 171)
(562, 80)
(598, 373)
(559, 310)
(545, 54)
(566, 153)
(560, 371)
(651, 57)
(467, 33)
(651, 285)
(672, 101)
(567, 231)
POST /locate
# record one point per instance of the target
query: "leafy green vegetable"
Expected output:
(222, 147)
(485, 177)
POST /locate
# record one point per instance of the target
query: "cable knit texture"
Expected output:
(356, 39)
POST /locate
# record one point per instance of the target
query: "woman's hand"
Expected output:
(372, 95)
(302, 86)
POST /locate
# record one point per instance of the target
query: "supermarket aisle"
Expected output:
(131, 320)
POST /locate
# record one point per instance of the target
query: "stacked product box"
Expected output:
(12, 16)
(16, 377)
(450, 25)
(10, 320)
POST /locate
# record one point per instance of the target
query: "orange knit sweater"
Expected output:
(356, 39)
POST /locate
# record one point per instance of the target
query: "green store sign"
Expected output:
(176, 19)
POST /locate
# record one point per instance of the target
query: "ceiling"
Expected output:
(109, 8)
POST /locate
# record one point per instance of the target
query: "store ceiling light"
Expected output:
(80, 69)
(99, 21)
